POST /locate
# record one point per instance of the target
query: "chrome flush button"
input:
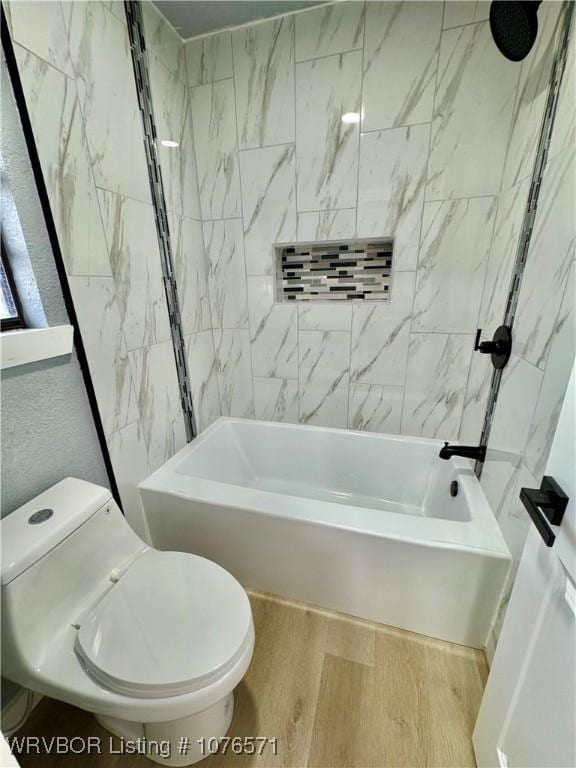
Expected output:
(41, 516)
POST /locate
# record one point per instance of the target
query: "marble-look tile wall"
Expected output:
(544, 333)
(76, 71)
(422, 163)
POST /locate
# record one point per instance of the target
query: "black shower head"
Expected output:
(514, 25)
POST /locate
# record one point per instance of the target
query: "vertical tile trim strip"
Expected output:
(20, 99)
(135, 26)
(544, 138)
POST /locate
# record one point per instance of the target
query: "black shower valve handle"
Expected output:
(499, 347)
(494, 347)
(477, 340)
(485, 347)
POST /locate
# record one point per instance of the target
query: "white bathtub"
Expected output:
(356, 522)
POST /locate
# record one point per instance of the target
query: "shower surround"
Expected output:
(430, 107)
(435, 152)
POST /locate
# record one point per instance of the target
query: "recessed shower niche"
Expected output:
(342, 270)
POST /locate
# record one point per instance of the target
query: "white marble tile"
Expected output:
(268, 203)
(38, 26)
(452, 263)
(501, 483)
(324, 363)
(276, 399)
(476, 398)
(162, 40)
(531, 96)
(170, 101)
(513, 519)
(325, 316)
(457, 13)
(517, 397)
(101, 329)
(375, 409)
(391, 189)
(499, 477)
(564, 131)
(191, 274)
(263, 57)
(7, 8)
(334, 28)
(214, 124)
(234, 372)
(209, 58)
(435, 384)
(327, 162)
(381, 334)
(136, 267)
(189, 170)
(130, 463)
(551, 252)
(498, 621)
(57, 124)
(273, 331)
(400, 59)
(505, 240)
(327, 225)
(226, 273)
(100, 53)
(556, 376)
(158, 398)
(472, 115)
(203, 372)
(116, 7)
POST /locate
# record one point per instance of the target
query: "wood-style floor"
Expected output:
(335, 692)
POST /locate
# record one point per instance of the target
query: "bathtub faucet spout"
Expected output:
(476, 452)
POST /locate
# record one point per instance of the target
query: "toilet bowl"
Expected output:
(153, 643)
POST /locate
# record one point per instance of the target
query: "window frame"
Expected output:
(17, 323)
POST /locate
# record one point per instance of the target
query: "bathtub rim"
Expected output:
(482, 522)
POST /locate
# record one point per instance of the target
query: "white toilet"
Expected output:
(153, 643)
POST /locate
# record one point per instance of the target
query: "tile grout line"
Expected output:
(241, 190)
(496, 199)
(204, 249)
(329, 55)
(407, 363)
(296, 213)
(352, 313)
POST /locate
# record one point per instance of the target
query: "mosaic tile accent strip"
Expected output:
(341, 271)
(138, 49)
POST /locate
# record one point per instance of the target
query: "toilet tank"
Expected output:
(60, 553)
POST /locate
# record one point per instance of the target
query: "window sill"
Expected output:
(35, 344)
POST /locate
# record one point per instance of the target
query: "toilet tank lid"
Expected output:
(35, 528)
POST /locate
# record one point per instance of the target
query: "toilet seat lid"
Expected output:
(172, 624)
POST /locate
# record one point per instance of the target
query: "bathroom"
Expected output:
(287, 383)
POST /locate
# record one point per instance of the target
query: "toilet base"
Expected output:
(175, 742)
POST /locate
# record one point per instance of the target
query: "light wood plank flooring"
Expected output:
(335, 691)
